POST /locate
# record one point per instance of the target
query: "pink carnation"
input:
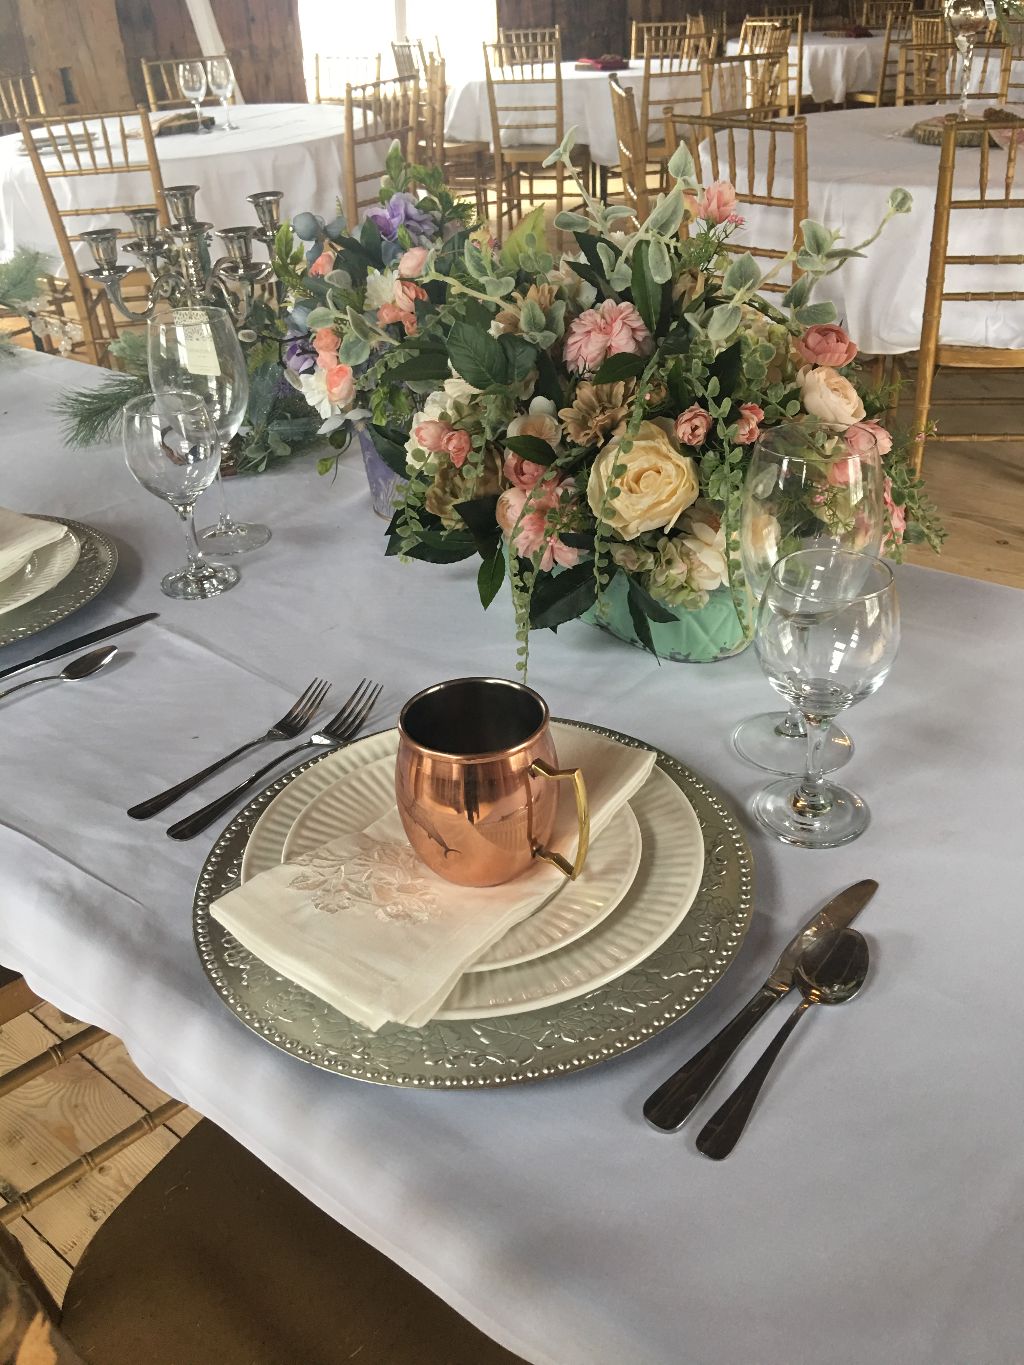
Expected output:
(825, 344)
(693, 425)
(523, 518)
(897, 516)
(431, 435)
(867, 438)
(524, 474)
(610, 329)
(323, 265)
(457, 445)
(718, 203)
(341, 385)
(747, 429)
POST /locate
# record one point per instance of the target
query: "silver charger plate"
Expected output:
(475, 1053)
(94, 570)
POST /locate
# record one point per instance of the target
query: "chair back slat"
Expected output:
(331, 74)
(668, 83)
(877, 13)
(21, 96)
(160, 78)
(632, 149)
(927, 73)
(528, 50)
(377, 114)
(747, 85)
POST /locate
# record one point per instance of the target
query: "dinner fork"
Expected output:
(292, 723)
(338, 730)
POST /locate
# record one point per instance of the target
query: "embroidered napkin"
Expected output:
(21, 537)
(366, 926)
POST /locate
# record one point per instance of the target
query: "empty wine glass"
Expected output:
(196, 350)
(799, 494)
(828, 629)
(171, 448)
(221, 77)
(192, 84)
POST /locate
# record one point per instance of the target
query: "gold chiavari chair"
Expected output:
(876, 13)
(465, 164)
(161, 81)
(376, 114)
(770, 38)
(805, 11)
(701, 39)
(1014, 38)
(796, 21)
(332, 74)
(928, 28)
(897, 32)
(750, 85)
(411, 57)
(68, 153)
(927, 73)
(524, 92)
(657, 39)
(20, 97)
(765, 160)
(632, 150)
(965, 208)
(669, 82)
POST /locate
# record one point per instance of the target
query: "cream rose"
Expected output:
(658, 485)
(830, 397)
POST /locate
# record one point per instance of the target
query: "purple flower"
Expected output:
(299, 355)
(401, 211)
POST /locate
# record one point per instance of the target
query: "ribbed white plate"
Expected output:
(655, 904)
(361, 797)
(47, 567)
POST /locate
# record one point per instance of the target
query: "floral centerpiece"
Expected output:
(583, 425)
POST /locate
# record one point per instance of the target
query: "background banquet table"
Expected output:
(296, 148)
(855, 157)
(866, 1216)
(833, 67)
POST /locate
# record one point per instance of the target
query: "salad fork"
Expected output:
(339, 729)
(292, 723)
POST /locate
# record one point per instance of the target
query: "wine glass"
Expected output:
(800, 494)
(192, 84)
(221, 77)
(197, 350)
(171, 448)
(828, 629)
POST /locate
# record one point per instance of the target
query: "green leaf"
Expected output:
(641, 625)
(652, 608)
(618, 367)
(727, 368)
(567, 221)
(646, 289)
(531, 448)
(425, 365)
(901, 201)
(723, 321)
(491, 575)
(479, 515)
(548, 384)
(320, 317)
(667, 214)
(743, 274)
(659, 262)
(354, 350)
(520, 356)
(558, 598)
(478, 357)
(817, 238)
(815, 313)
(680, 165)
(516, 243)
(798, 292)
(389, 444)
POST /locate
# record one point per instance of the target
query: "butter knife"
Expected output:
(675, 1099)
(93, 637)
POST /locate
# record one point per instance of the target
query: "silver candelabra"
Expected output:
(179, 259)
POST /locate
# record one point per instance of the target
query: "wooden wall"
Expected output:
(100, 44)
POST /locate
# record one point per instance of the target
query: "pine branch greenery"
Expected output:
(19, 277)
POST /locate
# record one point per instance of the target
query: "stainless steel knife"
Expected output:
(675, 1099)
(79, 642)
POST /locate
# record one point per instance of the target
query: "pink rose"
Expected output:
(341, 386)
(897, 516)
(610, 329)
(718, 203)
(457, 445)
(825, 344)
(406, 294)
(510, 504)
(521, 473)
(323, 265)
(523, 518)
(431, 435)
(326, 343)
(867, 438)
(390, 312)
(693, 425)
(411, 264)
(747, 429)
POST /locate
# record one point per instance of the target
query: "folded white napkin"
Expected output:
(366, 926)
(21, 537)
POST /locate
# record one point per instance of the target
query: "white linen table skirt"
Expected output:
(834, 67)
(876, 1191)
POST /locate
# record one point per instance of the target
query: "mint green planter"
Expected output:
(694, 637)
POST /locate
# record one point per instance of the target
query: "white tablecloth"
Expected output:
(855, 157)
(833, 67)
(586, 100)
(871, 1212)
(296, 148)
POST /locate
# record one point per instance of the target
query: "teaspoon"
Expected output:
(82, 667)
(829, 972)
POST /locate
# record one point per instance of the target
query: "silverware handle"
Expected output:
(18, 686)
(155, 804)
(675, 1099)
(195, 823)
(722, 1131)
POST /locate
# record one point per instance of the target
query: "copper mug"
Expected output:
(477, 781)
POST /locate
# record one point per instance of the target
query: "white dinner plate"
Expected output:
(656, 903)
(47, 567)
(361, 797)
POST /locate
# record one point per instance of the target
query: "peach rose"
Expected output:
(610, 329)
(540, 421)
(323, 265)
(747, 429)
(431, 435)
(390, 312)
(523, 518)
(718, 203)
(867, 438)
(825, 344)
(693, 425)
(326, 343)
(406, 294)
(522, 474)
(829, 397)
(341, 385)
(410, 265)
(897, 516)
(457, 445)
(658, 485)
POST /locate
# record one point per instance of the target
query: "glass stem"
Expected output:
(197, 567)
(792, 724)
(812, 797)
(224, 522)
(199, 116)
(966, 45)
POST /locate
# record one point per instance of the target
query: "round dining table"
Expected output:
(297, 148)
(834, 65)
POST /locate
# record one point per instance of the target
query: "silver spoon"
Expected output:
(82, 667)
(829, 972)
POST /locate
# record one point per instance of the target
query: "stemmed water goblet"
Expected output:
(192, 84)
(221, 77)
(798, 494)
(171, 449)
(828, 629)
(196, 350)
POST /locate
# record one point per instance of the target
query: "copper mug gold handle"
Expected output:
(571, 870)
